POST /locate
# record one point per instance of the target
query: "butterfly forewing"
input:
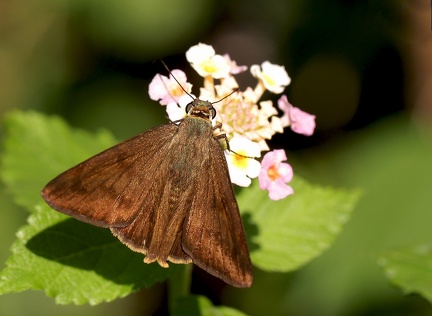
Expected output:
(109, 189)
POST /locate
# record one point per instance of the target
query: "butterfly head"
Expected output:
(201, 109)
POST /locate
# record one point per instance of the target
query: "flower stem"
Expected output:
(209, 85)
(179, 285)
(259, 90)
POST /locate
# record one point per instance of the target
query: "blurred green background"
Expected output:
(362, 67)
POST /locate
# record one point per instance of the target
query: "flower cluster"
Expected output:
(247, 121)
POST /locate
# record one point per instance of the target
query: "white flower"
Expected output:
(273, 77)
(241, 168)
(204, 60)
(267, 108)
(178, 111)
(276, 124)
(228, 85)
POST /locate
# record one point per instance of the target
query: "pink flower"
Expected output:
(166, 90)
(274, 175)
(300, 121)
(234, 68)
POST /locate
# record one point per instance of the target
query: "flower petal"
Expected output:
(302, 122)
(175, 112)
(242, 168)
(234, 68)
(204, 60)
(274, 77)
(279, 190)
(200, 52)
(166, 90)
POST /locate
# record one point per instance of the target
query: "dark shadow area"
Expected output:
(83, 246)
(86, 247)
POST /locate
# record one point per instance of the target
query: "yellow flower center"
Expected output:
(209, 67)
(240, 161)
(268, 79)
(177, 91)
(273, 173)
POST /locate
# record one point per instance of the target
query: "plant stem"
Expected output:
(179, 284)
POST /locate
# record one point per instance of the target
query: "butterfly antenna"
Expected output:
(169, 71)
(166, 88)
(235, 90)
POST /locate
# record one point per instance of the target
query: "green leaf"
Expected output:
(74, 262)
(286, 234)
(201, 305)
(69, 260)
(411, 269)
(36, 149)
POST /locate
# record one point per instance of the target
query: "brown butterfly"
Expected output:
(165, 193)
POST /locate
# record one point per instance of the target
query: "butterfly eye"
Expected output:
(213, 112)
(189, 107)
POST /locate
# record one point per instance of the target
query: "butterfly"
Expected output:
(165, 193)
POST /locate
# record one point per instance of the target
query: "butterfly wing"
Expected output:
(111, 188)
(157, 210)
(126, 189)
(176, 192)
(213, 234)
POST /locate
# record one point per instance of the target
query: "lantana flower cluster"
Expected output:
(247, 121)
